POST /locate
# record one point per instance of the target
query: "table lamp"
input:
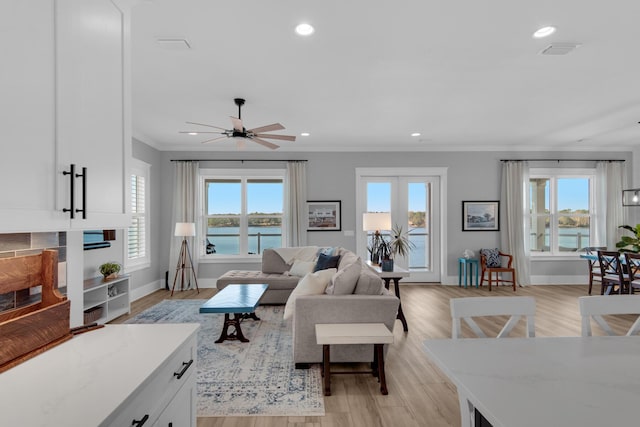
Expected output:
(375, 221)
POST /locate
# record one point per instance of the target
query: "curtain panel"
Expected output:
(185, 196)
(297, 199)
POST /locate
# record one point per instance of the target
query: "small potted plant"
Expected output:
(110, 270)
(398, 244)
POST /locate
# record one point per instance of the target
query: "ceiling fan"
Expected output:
(240, 133)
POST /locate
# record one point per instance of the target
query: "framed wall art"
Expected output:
(324, 215)
(480, 216)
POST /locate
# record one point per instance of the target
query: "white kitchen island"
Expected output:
(559, 381)
(119, 375)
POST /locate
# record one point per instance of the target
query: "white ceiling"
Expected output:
(466, 74)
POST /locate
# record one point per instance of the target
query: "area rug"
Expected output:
(245, 379)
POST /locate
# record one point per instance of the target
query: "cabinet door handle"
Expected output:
(72, 189)
(185, 367)
(140, 423)
(83, 175)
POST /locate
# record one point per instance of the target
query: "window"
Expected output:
(243, 211)
(138, 232)
(561, 204)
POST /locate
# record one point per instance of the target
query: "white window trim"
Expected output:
(564, 173)
(140, 168)
(239, 174)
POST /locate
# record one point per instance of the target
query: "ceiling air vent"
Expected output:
(173, 43)
(559, 48)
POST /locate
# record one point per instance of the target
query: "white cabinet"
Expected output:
(109, 377)
(65, 84)
(104, 300)
(93, 131)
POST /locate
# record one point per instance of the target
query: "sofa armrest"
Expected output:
(313, 309)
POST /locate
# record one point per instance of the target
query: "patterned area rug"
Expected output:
(240, 379)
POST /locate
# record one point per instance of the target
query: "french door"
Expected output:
(413, 198)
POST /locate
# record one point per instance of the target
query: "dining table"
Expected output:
(546, 381)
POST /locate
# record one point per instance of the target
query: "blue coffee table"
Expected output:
(240, 301)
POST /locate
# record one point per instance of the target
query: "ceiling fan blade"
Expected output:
(214, 139)
(237, 123)
(265, 143)
(202, 124)
(281, 137)
(267, 128)
(199, 131)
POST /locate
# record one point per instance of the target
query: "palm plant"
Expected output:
(630, 243)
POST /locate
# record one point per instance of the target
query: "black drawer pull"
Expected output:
(140, 423)
(185, 367)
(72, 190)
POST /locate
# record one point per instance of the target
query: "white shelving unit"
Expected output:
(111, 296)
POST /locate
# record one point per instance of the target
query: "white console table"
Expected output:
(119, 375)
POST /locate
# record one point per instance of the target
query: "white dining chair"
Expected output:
(468, 308)
(598, 305)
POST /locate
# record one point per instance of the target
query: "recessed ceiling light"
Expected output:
(415, 134)
(304, 29)
(193, 133)
(305, 134)
(544, 32)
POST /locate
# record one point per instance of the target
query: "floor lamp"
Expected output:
(184, 230)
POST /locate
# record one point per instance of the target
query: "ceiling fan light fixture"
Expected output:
(544, 32)
(304, 29)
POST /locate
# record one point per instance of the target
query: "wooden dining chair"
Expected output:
(492, 261)
(632, 263)
(468, 308)
(612, 273)
(595, 275)
(596, 306)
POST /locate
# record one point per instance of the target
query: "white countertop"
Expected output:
(82, 381)
(573, 381)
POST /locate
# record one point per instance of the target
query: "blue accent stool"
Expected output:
(462, 271)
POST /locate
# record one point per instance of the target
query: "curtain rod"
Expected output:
(562, 160)
(237, 160)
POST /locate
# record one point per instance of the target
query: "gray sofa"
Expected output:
(357, 295)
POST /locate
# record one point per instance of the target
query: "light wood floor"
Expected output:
(419, 394)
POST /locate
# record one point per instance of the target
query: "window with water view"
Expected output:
(243, 215)
(561, 210)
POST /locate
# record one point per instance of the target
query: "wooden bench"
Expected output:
(33, 328)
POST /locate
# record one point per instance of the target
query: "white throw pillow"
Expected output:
(302, 268)
(345, 280)
(311, 284)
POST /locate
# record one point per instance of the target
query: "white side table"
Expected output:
(354, 333)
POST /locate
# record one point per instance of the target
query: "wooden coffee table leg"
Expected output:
(379, 357)
(235, 323)
(326, 370)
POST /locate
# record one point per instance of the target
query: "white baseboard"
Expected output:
(147, 289)
(535, 280)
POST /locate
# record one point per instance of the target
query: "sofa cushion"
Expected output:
(311, 284)
(275, 281)
(345, 280)
(272, 263)
(346, 258)
(326, 261)
(302, 268)
(369, 283)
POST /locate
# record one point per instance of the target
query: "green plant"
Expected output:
(630, 243)
(398, 244)
(109, 268)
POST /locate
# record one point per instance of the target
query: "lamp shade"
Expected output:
(185, 229)
(373, 221)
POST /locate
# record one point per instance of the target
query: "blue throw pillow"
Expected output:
(326, 261)
(492, 256)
